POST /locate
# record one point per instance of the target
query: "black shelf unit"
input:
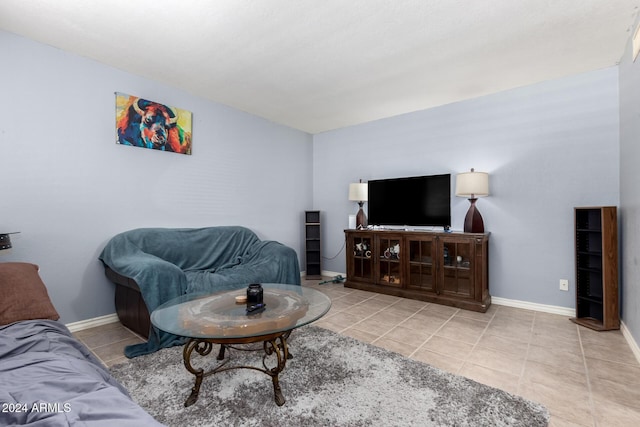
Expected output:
(596, 240)
(312, 244)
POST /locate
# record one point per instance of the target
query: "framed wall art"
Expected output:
(148, 124)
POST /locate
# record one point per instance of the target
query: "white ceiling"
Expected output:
(317, 65)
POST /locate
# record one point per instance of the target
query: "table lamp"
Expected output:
(358, 192)
(473, 185)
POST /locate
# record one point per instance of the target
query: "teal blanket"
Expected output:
(167, 263)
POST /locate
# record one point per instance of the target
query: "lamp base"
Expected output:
(473, 222)
(361, 218)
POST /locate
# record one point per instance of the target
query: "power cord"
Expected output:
(339, 252)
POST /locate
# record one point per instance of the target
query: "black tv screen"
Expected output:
(412, 201)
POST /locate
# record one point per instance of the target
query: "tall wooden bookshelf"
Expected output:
(312, 244)
(596, 240)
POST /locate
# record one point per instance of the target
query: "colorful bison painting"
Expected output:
(148, 124)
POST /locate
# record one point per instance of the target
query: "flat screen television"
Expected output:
(411, 201)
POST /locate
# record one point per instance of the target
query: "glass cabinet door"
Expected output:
(388, 256)
(422, 270)
(362, 246)
(457, 261)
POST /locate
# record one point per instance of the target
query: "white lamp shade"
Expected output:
(358, 192)
(472, 184)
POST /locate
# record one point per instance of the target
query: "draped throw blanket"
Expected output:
(167, 263)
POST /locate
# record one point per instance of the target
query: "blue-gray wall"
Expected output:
(630, 191)
(548, 148)
(68, 187)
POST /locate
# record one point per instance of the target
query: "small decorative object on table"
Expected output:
(255, 296)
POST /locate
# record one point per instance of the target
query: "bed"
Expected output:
(47, 377)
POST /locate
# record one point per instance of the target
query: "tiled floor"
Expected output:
(585, 378)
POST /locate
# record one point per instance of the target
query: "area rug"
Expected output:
(332, 380)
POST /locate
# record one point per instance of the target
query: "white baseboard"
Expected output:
(92, 323)
(327, 273)
(332, 273)
(553, 309)
(632, 343)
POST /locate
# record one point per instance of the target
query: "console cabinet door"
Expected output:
(421, 254)
(360, 265)
(389, 250)
(456, 275)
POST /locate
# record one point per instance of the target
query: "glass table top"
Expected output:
(218, 315)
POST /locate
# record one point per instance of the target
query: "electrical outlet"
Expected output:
(564, 285)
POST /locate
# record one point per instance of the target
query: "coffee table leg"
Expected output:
(277, 391)
(278, 347)
(203, 348)
(221, 352)
(195, 391)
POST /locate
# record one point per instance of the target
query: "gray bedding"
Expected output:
(48, 378)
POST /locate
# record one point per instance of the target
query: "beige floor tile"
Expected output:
(600, 337)
(441, 309)
(483, 317)
(430, 314)
(553, 376)
(557, 356)
(448, 347)
(557, 421)
(397, 310)
(504, 344)
(353, 298)
(551, 340)
(106, 337)
(344, 319)
(412, 304)
(369, 307)
(373, 326)
(327, 324)
(514, 313)
(337, 306)
(360, 335)
(618, 372)
(445, 363)
(612, 352)
(569, 332)
(510, 327)
(490, 377)
(387, 298)
(561, 402)
(391, 344)
(114, 350)
(420, 322)
(463, 329)
(388, 318)
(359, 292)
(97, 330)
(612, 414)
(623, 394)
(498, 360)
(553, 321)
(409, 336)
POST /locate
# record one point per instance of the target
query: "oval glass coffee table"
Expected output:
(208, 319)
